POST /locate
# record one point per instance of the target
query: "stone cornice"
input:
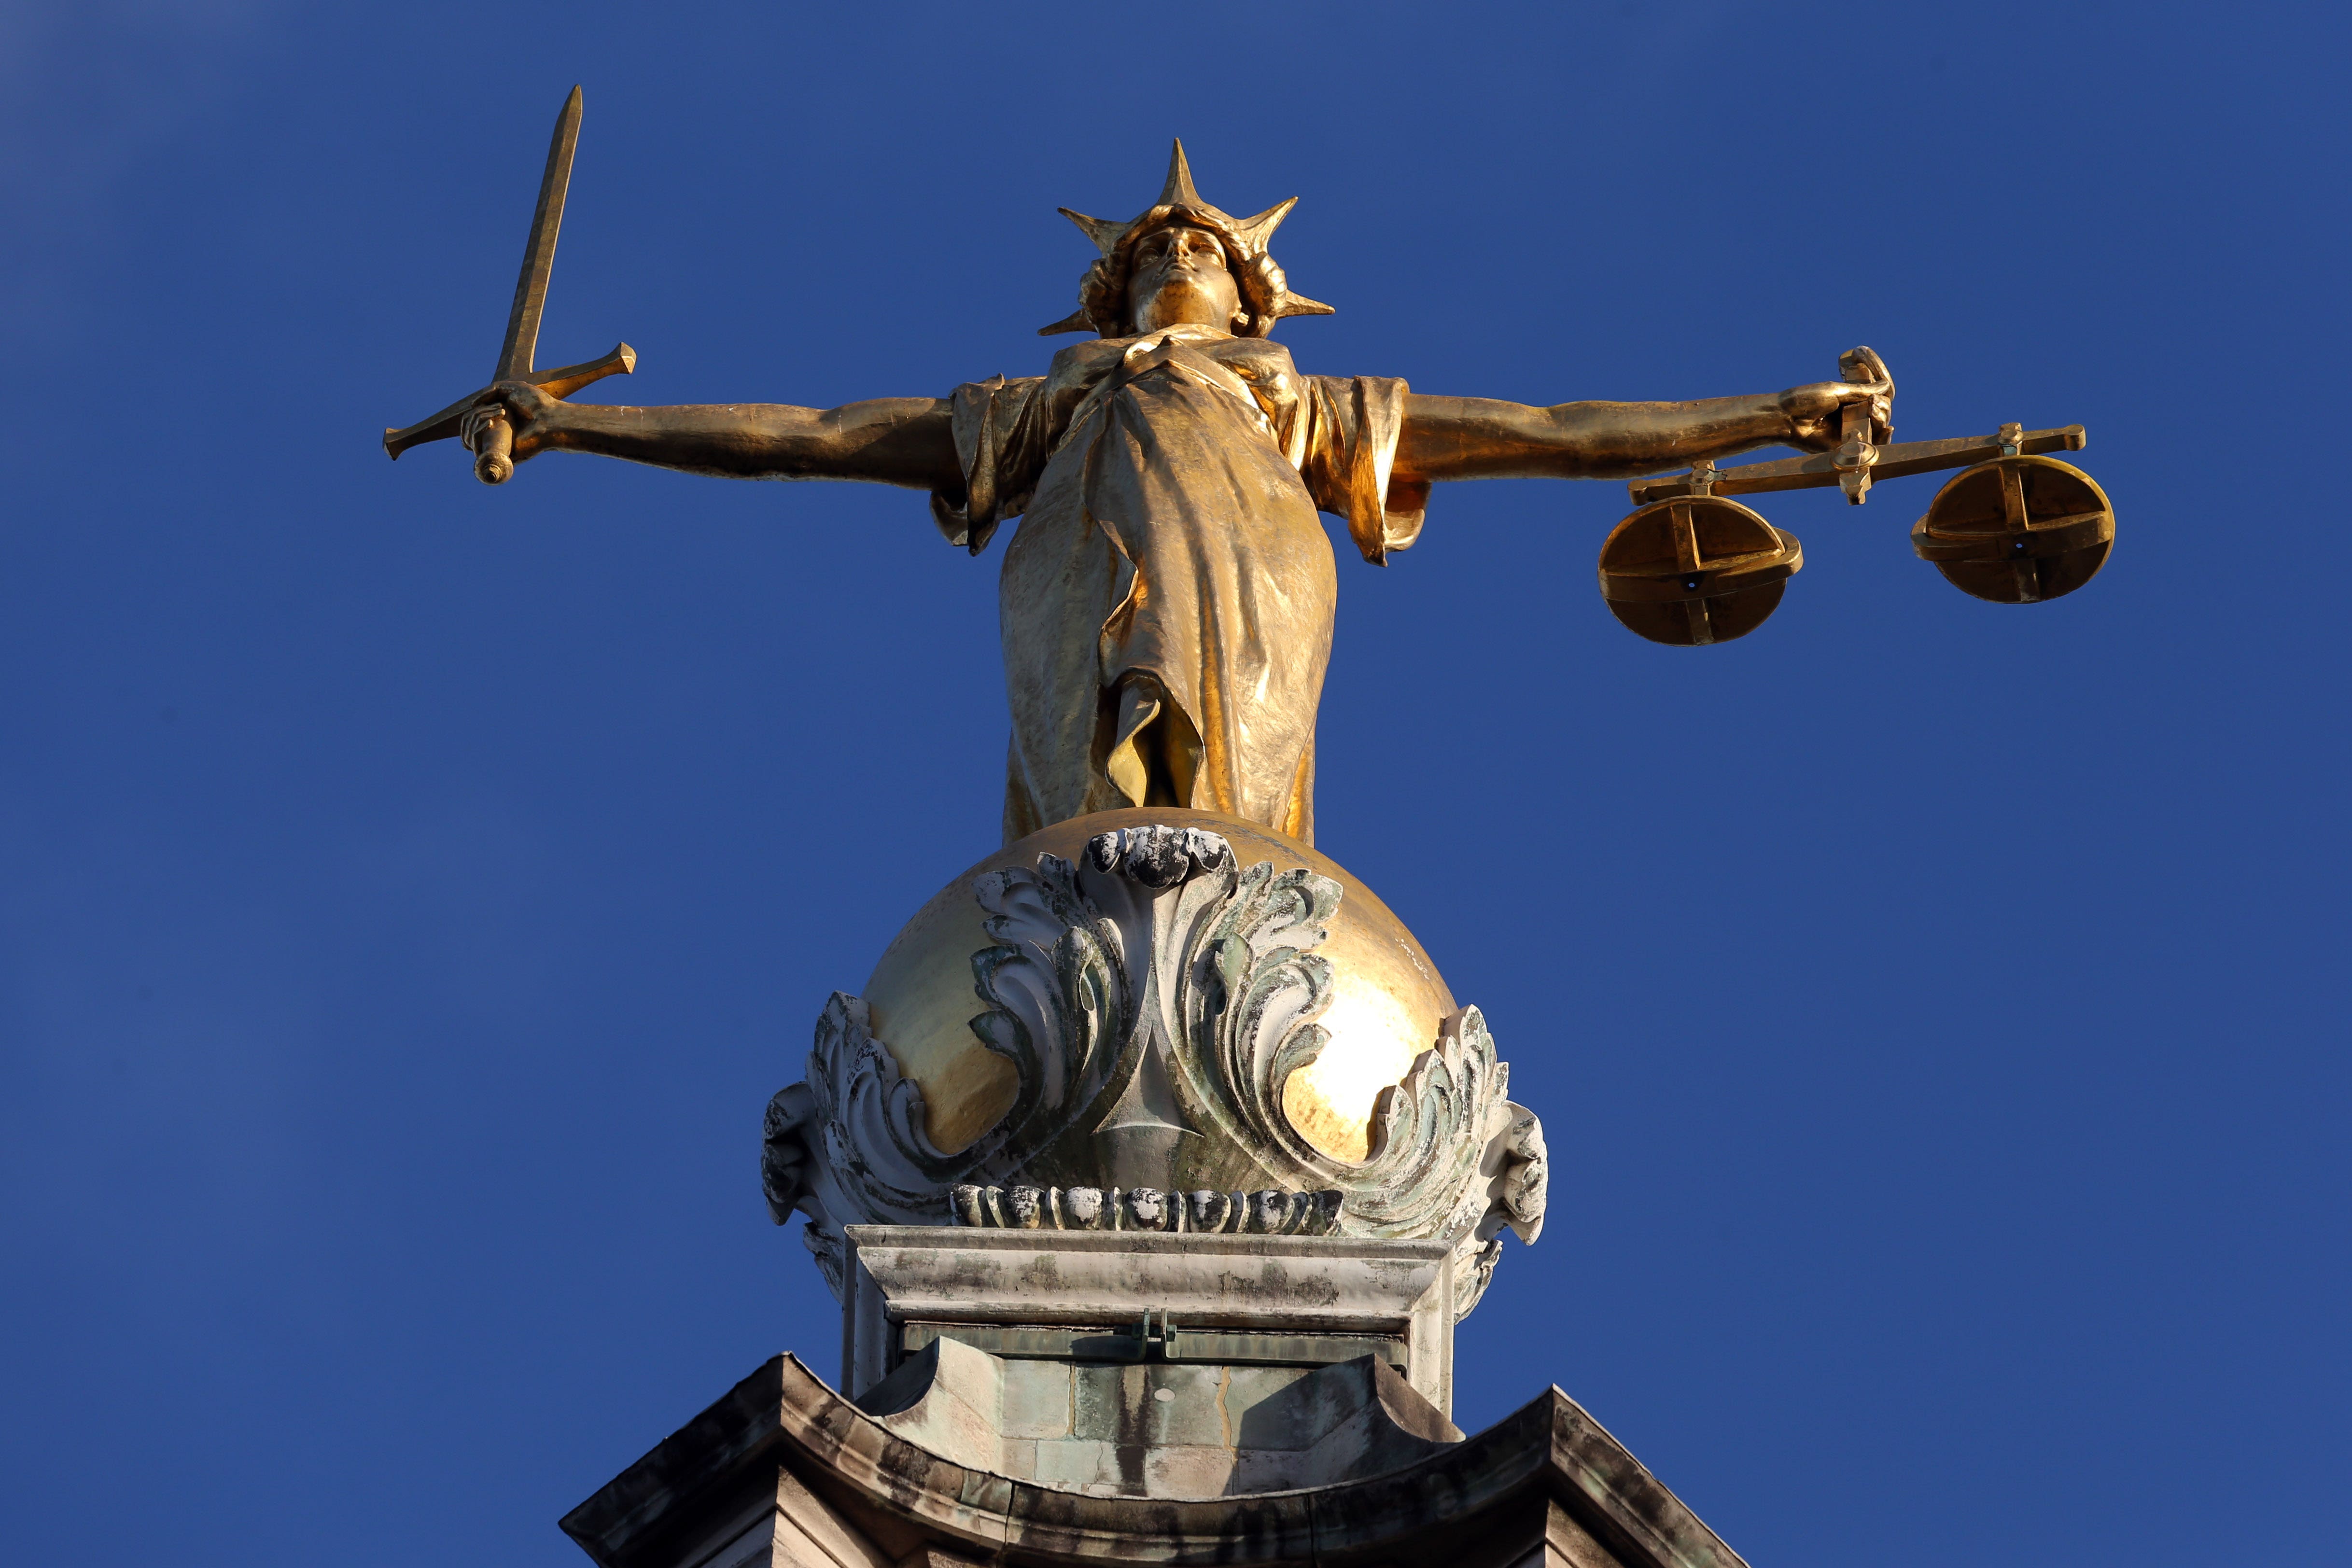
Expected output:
(1549, 1456)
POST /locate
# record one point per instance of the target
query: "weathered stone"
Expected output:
(1182, 1407)
(1203, 1471)
(1157, 1429)
(1038, 1399)
(1078, 1464)
(1371, 1293)
(1247, 1387)
(1102, 1408)
(785, 1472)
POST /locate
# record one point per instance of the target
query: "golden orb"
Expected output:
(1387, 999)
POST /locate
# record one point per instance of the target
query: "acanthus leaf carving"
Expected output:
(1157, 944)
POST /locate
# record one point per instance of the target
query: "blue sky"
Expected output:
(410, 892)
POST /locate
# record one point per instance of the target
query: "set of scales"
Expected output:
(1689, 567)
(1692, 566)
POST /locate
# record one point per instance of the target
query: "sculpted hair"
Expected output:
(1263, 292)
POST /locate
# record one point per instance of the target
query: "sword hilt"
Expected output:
(494, 449)
(1856, 458)
(561, 382)
(490, 432)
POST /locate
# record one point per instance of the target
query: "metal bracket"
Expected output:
(1145, 1343)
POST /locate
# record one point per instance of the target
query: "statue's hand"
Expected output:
(529, 413)
(1815, 413)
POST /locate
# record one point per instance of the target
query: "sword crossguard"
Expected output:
(558, 382)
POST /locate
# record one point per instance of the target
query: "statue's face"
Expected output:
(1178, 274)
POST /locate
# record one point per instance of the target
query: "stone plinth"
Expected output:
(1257, 1303)
(785, 1473)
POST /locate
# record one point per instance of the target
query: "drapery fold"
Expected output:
(1167, 602)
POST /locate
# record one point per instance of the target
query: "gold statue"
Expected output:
(1167, 609)
(1166, 602)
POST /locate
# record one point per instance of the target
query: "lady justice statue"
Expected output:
(1159, 1009)
(1183, 995)
(1166, 602)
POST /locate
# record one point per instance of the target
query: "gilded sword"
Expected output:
(493, 437)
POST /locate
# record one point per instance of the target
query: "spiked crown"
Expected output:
(1266, 292)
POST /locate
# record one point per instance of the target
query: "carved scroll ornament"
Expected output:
(1153, 1000)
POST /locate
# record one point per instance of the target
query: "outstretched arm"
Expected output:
(1482, 438)
(888, 440)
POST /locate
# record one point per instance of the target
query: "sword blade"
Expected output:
(539, 255)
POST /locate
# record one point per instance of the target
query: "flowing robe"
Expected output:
(1166, 602)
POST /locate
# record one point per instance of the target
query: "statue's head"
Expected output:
(1180, 272)
(1183, 260)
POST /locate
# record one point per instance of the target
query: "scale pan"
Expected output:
(2018, 530)
(1695, 570)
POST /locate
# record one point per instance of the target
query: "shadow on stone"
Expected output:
(1346, 1422)
(904, 1388)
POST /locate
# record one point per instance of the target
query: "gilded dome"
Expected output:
(1386, 1006)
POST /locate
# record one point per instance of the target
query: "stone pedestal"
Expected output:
(1093, 1297)
(783, 1472)
(1156, 1258)
(1034, 1397)
(1155, 1364)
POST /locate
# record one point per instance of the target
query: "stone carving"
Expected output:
(1152, 998)
(1520, 1171)
(1267, 1212)
(846, 1146)
(1516, 1170)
